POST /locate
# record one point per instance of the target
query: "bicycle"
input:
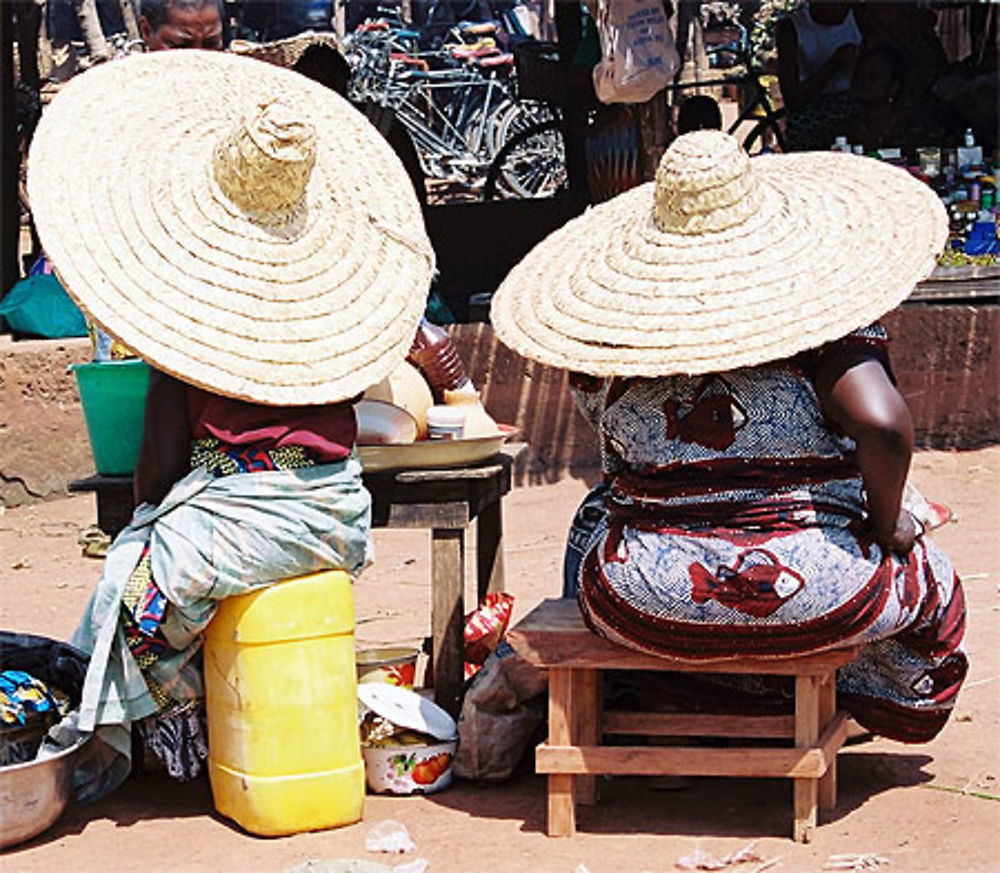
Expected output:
(765, 117)
(541, 145)
(457, 102)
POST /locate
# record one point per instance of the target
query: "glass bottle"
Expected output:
(433, 352)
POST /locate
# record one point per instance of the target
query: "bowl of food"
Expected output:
(394, 665)
(408, 742)
(416, 767)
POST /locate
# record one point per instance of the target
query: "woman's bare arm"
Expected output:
(856, 393)
(166, 439)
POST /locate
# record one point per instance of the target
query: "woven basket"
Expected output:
(283, 52)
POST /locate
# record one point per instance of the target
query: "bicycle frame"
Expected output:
(751, 76)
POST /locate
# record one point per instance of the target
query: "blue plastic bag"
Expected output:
(38, 306)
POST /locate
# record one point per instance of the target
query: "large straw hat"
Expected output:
(722, 262)
(235, 223)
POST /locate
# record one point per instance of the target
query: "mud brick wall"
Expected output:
(947, 363)
(946, 358)
(43, 438)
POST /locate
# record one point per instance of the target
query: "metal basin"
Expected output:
(34, 794)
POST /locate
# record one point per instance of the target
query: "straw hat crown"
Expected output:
(724, 261)
(705, 183)
(263, 165)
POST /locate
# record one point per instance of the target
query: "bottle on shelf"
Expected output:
(433, 352)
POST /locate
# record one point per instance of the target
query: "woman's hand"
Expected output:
(902, 537)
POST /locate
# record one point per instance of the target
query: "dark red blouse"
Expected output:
(328, 431)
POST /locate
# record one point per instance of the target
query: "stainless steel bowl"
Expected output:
(34, 794)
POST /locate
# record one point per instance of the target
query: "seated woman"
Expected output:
(268, 258)
(754, 447)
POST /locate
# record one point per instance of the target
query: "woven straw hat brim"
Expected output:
(310, 310)
(837, 242)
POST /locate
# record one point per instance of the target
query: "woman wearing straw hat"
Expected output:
(720, 326)
(255, 240)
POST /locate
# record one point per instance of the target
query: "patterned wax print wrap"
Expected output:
(220, 532)
(730, 523)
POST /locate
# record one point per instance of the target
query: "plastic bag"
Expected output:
(484, 627)
(638, 57)
(39, 307)
(501, 712)
(390, 836)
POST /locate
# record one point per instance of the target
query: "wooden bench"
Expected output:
(554, 636)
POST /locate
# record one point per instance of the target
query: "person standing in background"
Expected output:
(179, 24)
(817, 49)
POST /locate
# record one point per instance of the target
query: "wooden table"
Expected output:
(445, 501)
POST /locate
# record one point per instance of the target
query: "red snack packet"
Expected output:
(484, 627)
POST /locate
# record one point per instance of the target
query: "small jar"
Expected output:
(446, 422)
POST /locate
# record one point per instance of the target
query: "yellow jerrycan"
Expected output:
(281, 699)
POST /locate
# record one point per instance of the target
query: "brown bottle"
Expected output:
(433, 352)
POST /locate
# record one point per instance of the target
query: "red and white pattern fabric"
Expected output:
(731, 522)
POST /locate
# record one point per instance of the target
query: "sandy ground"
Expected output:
(925, 809)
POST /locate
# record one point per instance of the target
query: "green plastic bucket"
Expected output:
(113, 394)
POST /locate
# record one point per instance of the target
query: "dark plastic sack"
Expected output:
(38, 306)
(57, 664)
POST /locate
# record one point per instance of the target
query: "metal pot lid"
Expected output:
(407, 709)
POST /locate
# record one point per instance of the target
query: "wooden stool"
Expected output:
(554, 636)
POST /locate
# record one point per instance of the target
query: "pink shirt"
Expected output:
(328, 432)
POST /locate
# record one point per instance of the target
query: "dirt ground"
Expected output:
(924, 809)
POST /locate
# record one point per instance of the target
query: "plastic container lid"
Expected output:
(408, 709)
(447, 416)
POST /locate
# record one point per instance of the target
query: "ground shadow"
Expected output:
(141, 797)
(709, 807)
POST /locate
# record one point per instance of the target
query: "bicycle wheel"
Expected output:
(532, 163)
(514, 117)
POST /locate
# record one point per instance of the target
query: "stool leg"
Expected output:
(561, 815)
(806, 734)
(827, 710)
(587, 701)
(448, 616)
(489, 550)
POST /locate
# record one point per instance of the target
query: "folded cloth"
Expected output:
(210, 538)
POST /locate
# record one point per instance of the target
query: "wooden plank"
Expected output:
(671, 724)
(489, 550)
(962, 273)
(420, 515)
(448, 617)
(561, 814)
(827, 712)
(427, 476)
(680, 761)
(587, 706)
(806, 734)
(99, 483)
(554, 633)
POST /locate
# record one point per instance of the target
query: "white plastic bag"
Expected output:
(638, 56)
